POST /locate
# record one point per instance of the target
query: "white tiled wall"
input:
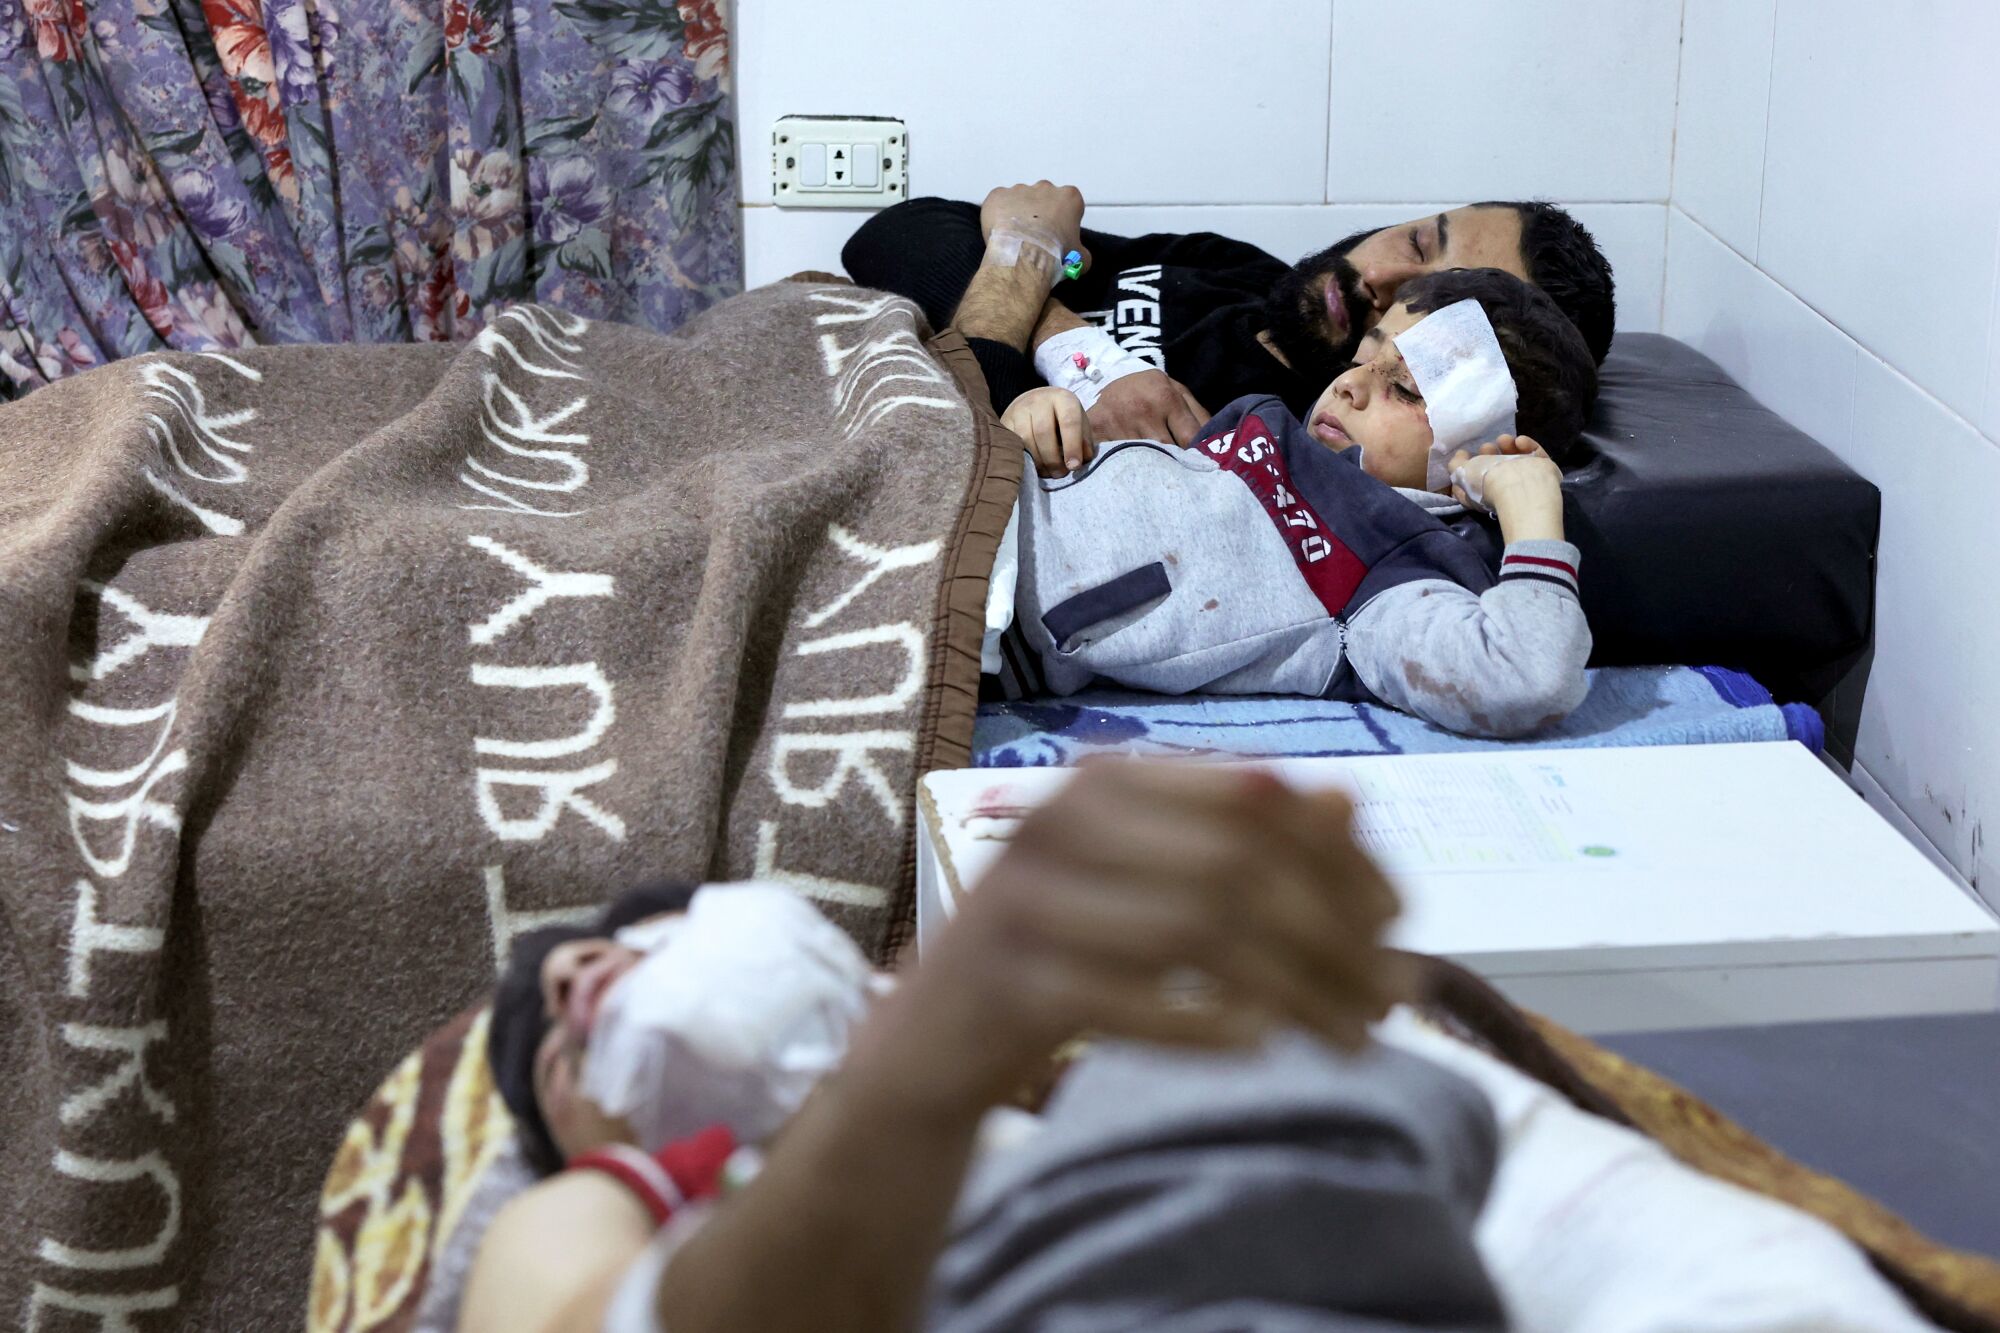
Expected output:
(1882, 179)
(1572, 99)
(1834, 241)
(1288, 123)
(1719, 128)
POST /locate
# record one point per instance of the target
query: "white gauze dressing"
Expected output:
(1462, 374)
(737, 1009)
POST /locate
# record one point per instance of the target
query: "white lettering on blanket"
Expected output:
(151, 629)
(131, 1044)
(186, 411)
(509, 922)
(862, 368)
(544, 345)
(863, 363)
(510, 425)
(544, 585)
(113, 1313)
(117, 770)
(91, 935)
(136, 807)
(152, 1169)
(852, 752)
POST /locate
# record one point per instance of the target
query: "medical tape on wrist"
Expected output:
(1005, 244)
(1084, 361)
(1472, 480)
(1468, 392)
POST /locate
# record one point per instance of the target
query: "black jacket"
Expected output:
(1190, 304)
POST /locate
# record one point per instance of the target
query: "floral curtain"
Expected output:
(214, 173)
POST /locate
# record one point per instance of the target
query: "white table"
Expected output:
(1613, 890)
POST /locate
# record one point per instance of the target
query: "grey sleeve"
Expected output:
(1502, 664)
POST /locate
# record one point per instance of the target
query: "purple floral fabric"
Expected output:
(206, 174)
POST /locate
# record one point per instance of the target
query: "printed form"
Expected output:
(1477, 817)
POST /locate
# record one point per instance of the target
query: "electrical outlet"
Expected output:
(839, 161)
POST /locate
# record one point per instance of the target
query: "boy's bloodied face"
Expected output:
(1375, 406)
(576, 976)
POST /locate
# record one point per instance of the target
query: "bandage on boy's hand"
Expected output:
(1518, 482)
(1137, 875)
(1052, 423)
(1511, 446)
(1149, 405)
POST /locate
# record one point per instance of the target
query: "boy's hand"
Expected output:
(1149, 405)
(1518, 482)
(1051, 422)
(1138, 875)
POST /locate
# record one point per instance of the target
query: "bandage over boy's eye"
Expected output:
(1468, 392)
(736, 1010)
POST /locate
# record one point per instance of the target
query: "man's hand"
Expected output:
(1033, 210)
(1137, 875)
(1050, 421)
(1519, 482)
(1134, 875)
(1149, 405)
(1006, 297)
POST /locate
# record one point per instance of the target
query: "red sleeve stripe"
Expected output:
(1520, 568)
(1543, 561)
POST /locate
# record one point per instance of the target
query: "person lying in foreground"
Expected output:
(1241, 1171)
(1325, 556)
(1139, 876)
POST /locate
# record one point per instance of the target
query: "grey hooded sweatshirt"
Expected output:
(1259, 561)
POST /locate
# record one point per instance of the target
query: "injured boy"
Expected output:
(726, 1121)
(1324, 557)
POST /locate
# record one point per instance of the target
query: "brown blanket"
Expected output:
(327, 670)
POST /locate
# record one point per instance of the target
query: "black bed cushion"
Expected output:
(1711, 531)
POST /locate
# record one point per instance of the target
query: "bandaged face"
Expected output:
(576, 977)
(726, 1014)
(1384, 404)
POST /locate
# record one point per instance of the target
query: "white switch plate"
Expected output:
(826, 177)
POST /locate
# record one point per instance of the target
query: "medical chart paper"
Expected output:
(1612, 889)
(1474, 818)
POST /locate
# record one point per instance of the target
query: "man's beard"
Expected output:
(1295, 312)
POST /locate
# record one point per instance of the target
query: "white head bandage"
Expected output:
(1468, 392)
(737, 1009)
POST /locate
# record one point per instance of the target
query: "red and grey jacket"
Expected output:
(1259, 561)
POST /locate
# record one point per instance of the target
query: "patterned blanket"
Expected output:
(330, 669)
(1626, 706)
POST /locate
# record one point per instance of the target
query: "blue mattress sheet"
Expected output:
(1663, 705)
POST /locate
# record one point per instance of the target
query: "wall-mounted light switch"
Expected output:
(839, 161)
